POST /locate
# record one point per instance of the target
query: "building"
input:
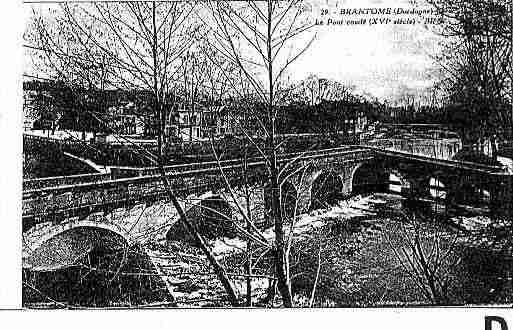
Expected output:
(199, 123)
(38, 106)
(52, 105)
(125, 120)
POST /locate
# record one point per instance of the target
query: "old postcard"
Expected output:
(267, 154)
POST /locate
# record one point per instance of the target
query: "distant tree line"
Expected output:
(478, 65)
(74, 108)
(326, 117)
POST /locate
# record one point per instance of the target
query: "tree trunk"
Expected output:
(281, 268)
(248, 264)
(199, 240)
(281, 262)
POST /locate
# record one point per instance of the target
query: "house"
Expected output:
(38, 108)
(124, 120)
(202, 121)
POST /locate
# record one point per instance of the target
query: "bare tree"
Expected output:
(258, 38)
(143, 43)
(478, 61)
(427, 255)
(314, 90)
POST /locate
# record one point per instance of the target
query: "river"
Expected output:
(373, 260)
(364, 251)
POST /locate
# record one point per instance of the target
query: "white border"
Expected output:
(11, 26)
(11, 57)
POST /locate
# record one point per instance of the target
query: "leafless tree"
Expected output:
(258, 37)
(143, 42)
(478, 60)
(427, 255)
(314, 89)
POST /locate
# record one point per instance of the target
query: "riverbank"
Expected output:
(354, 254)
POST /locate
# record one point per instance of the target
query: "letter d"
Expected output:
(498, 319)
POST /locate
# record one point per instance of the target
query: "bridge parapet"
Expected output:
(435, 148)
(59, 203)
(123, 171)
(55, 181)
(455, 164)
(128, 171)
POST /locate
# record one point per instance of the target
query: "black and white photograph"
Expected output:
(266, 154)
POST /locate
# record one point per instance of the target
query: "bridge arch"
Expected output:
(468, 191)
(438, 185)
(211, 215)
(326, 189)
(74, 241)
(370, 177)
(398, 182)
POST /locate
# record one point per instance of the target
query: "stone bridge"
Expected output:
(102, 211)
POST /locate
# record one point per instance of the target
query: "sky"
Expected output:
(382, 60)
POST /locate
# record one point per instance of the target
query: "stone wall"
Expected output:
(436, 148)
